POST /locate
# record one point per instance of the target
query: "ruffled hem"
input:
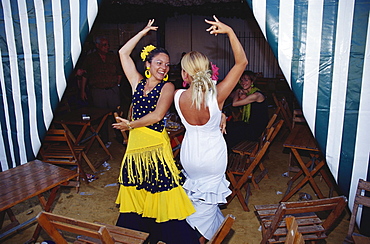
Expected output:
(206, 219)
(209, 191)
(162, 206)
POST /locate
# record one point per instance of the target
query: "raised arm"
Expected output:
(128, 64)
(225, 87)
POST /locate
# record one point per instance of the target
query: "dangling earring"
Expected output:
(252, 85)
(166, 78)
(147, 73)
(185, 83)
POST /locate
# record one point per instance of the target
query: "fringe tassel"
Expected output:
(143, 160)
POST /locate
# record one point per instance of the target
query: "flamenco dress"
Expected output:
(204, 159)
(151, 198)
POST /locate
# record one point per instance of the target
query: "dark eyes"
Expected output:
(159, 63)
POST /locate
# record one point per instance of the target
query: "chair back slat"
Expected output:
(363, 185)
(57, 227)
(305, 212)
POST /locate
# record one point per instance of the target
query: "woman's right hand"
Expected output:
(149, 27)
(122, 125)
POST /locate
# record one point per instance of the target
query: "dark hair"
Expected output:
(98, 39)
(251, 75)
(154, 53)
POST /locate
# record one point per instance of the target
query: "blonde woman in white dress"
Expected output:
(203, 151)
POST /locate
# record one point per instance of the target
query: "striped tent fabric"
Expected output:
(40, 43)
(323, 49)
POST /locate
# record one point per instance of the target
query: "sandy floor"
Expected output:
(95, 201)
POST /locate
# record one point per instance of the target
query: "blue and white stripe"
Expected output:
(40, 43)
(322, 47)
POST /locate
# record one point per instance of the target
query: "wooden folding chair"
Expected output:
(223, 230)
(239, 171)
(298, 117)
(361, 198)
(247, 147)
(250, 148)
(307, 214)
(285, 111)
(58, 148)
(62, 229)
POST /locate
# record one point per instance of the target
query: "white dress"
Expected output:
(203, 156)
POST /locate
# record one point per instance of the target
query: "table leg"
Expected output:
(13, 220)
(97, 137)
(326, 178)
(46, 205)
(308, 177)
(81, 134)
(312, 180)
(308, 165)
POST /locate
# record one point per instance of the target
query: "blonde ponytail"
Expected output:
(202, 87)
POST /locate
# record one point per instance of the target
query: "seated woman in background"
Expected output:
(254, 112)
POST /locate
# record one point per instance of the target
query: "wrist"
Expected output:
(129, 126)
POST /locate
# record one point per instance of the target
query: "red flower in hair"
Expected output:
(214, 72)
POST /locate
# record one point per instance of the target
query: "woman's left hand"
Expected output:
(123, 125)
(223, 123)
(217, 27)
(241, 95)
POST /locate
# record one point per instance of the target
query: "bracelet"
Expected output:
(129, 126)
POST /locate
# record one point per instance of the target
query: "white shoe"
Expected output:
(107, 145)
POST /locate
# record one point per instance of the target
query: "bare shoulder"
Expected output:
(168, 88)
(169, 85)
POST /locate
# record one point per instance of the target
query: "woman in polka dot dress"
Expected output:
(150, 196)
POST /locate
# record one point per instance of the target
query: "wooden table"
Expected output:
(26, 181)
(301, 140)
(74, 118)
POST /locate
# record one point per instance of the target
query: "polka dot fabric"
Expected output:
(143, 105)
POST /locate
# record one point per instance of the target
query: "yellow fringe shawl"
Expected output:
(146, 146)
